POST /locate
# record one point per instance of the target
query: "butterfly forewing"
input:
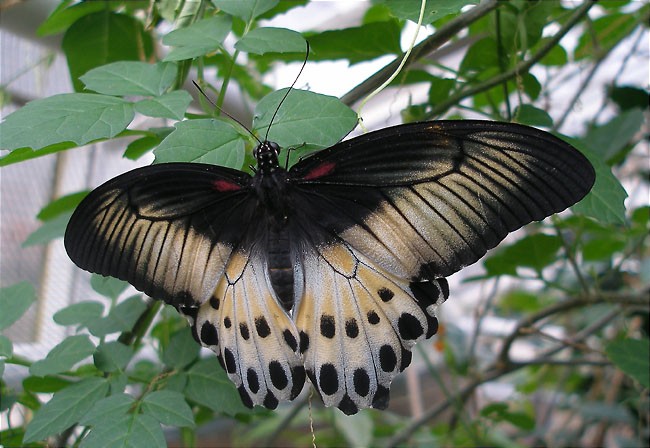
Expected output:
(425, 199)
(166, 229)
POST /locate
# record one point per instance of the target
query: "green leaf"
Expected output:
(44, 385)
(282, 7)
(607, 140)
(603, 247)
(532, 116)
(499, 412)
(440, 89)
(49, 230)
(65, 15)
(170, 105)
(70, 117)
(130, 431)
(63, 204)
(204, 140)
(138, 148)
(208, 385)
(103, 37)
(520, 302)
(6, 347)
(632, 357)
(272, 40)
(64, 356)
(121, 318)
(112, 356)
(131, 78)
(22, 154)
(79, 313)
(65, 408)
(14, 301)
(305, 117)
(109, 409)
(434, 9)
(606, 201)
(607, 31)
(357, 44)
(629, 97)
(245, 9)
(181, 350)
(535, 251)
(168, 407)
(480, 56)
(110, 287)
(557, 57)
(202, 37)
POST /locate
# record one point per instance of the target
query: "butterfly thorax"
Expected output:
(269, 183)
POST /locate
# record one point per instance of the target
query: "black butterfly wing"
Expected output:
(425, 199)
(383, 217)
(167, 229)
(188, 234)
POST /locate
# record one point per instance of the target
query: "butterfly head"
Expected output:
(266, 154)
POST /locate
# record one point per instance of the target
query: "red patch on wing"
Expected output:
(224, 185)
(320, 171)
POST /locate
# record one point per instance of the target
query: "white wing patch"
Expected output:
(357, 324)
(255, 339)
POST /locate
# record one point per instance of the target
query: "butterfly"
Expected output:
(332, 269)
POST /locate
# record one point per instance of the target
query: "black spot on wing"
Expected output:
(381, 398)
(304, 342)
(328, 379)
(347, 405)
(278, 375)
(209, 335)
(262, 327)
(290, 340)
(409, 327)
(361, 381)
(373, 317)
(243, 330)
(387, 358)
(327, 326)
(351, 328)
(253, 380)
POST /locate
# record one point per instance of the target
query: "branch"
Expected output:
(640, 298)
(522, 67)
(422, 49)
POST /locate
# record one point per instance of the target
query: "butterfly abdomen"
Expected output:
(281, 266)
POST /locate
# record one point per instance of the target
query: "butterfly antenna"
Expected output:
(224, 112)
(287, 92)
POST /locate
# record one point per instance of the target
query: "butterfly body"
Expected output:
(332, 269)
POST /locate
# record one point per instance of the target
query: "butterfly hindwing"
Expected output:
(167, 229)
(425, 199)
(246, 326)
(357, 324)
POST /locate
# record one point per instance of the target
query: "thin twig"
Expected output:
(520, 68)
(422, 49)
(626, 298)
